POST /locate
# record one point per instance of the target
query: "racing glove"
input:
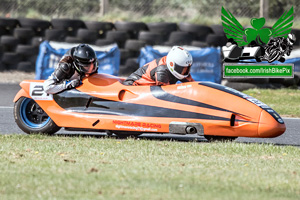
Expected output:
(73, 83)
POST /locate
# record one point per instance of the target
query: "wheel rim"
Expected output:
(32, 114)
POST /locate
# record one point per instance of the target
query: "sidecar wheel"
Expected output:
(32, 119)
(213, 138)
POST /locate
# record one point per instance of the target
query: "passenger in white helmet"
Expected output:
(167, 70)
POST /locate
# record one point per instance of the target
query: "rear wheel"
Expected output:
(214, 138)
(32, 119)
(274, 55)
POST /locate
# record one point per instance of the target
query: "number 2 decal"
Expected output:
(37, 92)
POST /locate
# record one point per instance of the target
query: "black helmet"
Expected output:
(85, 59)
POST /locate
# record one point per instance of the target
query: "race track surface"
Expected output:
(8, 125)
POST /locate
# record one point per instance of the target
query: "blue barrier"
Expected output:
(206, 62)
(48, 58)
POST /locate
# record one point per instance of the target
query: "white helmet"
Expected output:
(291, 38)
(179, 62)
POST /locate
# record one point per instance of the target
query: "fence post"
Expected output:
(103, 7)
(264, 9)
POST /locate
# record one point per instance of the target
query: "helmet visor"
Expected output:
(86, 68)
(183, 70)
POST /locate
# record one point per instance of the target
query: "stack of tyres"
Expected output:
(7, 41)
(20, 40)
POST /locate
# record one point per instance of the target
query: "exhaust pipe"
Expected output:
(190, 130)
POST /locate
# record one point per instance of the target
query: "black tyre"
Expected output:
(276, 80)
(58, 35)
(11, 58)
(180, 38)
(87, 36)
(217, 29)
(134, 45)
(132, 28)
(32, 59)
(103, 42)
(162, 28)
(117, 36)
(3, 31)
(216, 40)
(9, 43)
(199, 32)
(26, 50)
(24, 35)
(36, 41)
(123, 70)
(150, 37)
(96, 26)
(70, 25)
(291, 81)
(31, 118)
(9, 24)
(213, 138)
(67, 23)
(199, 44)
(131, 65)
(100, 27)
(71, 39)
(26, 66)
(3, 67)
(125, 54)
(39, 26)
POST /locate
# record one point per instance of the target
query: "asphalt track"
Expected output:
(8, 125)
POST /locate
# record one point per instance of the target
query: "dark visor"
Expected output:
(85, 67)
(183, 70)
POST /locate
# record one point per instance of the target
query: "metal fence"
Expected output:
(194, 11)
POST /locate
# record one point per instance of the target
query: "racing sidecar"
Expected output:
(103, 103)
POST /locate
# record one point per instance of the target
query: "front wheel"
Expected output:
(32, 119)
(274, 55)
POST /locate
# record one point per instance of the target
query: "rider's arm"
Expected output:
(57, 81)
(51, 86)
(161, 76)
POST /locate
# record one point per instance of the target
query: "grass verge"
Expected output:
(284, 101)
(41, 167)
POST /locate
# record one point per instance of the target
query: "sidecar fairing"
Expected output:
(103, 103)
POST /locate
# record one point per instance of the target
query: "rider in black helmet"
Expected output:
(78, 62)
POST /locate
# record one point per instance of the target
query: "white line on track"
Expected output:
(290, 118)
(6, 107)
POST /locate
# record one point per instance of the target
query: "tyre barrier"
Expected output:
(20, 40)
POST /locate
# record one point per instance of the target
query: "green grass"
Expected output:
(41, 167)
(284, 101)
